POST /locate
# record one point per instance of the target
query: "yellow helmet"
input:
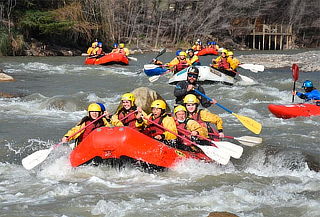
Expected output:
(180, 108)
(190, 98)
(121, 45)
(224, 51)
(230, 53)
(182, 53)
(159, 104)
(94, 107)
(129, 97)
(94, 44)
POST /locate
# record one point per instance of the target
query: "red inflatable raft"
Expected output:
(207, 51)
(127, 143)
(294, 110)
(108, 59)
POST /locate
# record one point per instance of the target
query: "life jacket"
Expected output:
(223, 63)
(129, 121)
(88, 130)
(181, 65)
(152, 130)
(194, 60)
(198, 47)
(181, 125)
(99, 51)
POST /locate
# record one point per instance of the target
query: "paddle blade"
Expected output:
(154, 78)
(249, 123)
(253, 67)
(133, 58)
(215, 154)
(295, 72)
(35, 158)
(249, 140)
(229, 148)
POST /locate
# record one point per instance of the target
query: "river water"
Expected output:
(272, 179)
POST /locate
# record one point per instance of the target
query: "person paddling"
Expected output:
(94, 111)
(187, 87)
(311, 93)
(193, 60)
(160, 117)
(179, 63)
(127, 114)
(202, 116)
(92, 48)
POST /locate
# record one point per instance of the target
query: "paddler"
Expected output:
(193, 60)
(94, 111)
(187, 87)
(123, 49)
(311, 93)
(160, 117)
(233, 62)
(92, 48)
(221, 61)
(127, 114)
(179, 63)
(115, 48)
(197, 46)
(202, 116)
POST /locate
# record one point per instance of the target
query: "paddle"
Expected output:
(252, 67)
(162, 51)
(214, 153)
(295, 77)
(231, 149)
(249, 123)
(38, 157)
(156, 77)
(245, 140)
(133, 58)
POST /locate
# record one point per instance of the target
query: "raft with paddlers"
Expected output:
(124, 143)
(108, 59)
(207, 51)
(208, 74)
(294, 110)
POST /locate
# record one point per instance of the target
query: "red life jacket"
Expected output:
(223, 63)
(129, 121)
(181, 65)
(88, 130)
(152, 130)
(183, 126)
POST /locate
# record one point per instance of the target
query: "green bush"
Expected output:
(4, 43)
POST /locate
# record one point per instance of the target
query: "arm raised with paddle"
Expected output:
(249, 123)
(295, 77)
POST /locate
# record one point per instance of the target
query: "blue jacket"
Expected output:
(313, 95)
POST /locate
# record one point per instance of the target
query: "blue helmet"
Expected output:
(100, 44)
(178, 52)
(307, 83)
(214, 43)
(115, 45)
(101, 106)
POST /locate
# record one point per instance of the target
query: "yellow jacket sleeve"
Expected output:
(234, 63)
(126, 51)
(170, 124)
(89, 51)
(144, 122)
(114, 120)
(192, 125)
(74, 130)
(173, 62)
(207, 116)
(190, 61)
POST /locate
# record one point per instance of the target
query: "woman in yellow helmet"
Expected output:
(234, 62)
(94, 111)
(160, 117)
(127, 114)
(202, 116)
(92, 48)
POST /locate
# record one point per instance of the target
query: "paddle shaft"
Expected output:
(293, 89)
(186, 132)
(170, 131)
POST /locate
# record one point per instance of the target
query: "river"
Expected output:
(271, 179)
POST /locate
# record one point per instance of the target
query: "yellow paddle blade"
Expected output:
(249, 123)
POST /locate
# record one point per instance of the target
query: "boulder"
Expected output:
(144, 97)
(222, 214)
(5, 77)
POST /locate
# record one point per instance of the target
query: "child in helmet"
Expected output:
(311, 93)
(160, 117)
(94, 111)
